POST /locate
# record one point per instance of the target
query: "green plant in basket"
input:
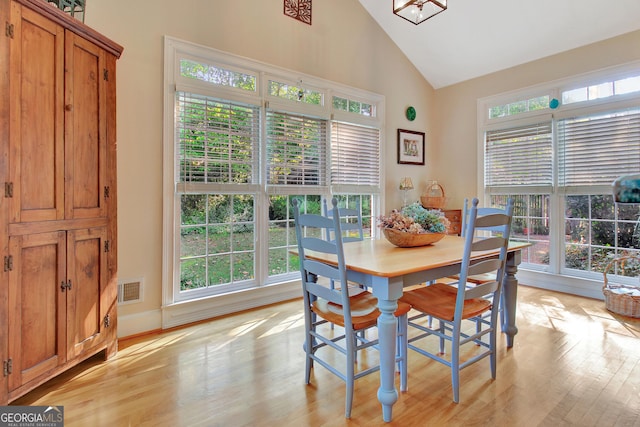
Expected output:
(415, 219)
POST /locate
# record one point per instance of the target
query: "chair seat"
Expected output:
(364, 309)
(439, 300)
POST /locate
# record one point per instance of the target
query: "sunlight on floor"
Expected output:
(247, 327)
(548, 311)
(294, 321)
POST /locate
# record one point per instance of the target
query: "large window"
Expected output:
(248, 139)
(557, 160)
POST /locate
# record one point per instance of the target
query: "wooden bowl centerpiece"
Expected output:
(414, 226)
(403, 239)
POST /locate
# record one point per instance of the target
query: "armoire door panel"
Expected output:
(36, 126)
(85, 129)
(37, 305)
(86, 269)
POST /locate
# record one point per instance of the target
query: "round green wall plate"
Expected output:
(411, 113)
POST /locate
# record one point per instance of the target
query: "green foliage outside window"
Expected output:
(217, 239)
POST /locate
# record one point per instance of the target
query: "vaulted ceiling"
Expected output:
(477, 37)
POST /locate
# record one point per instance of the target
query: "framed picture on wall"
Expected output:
(410, 147)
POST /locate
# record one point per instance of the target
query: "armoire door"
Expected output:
(87, 279)
(85, 129)
(37, 305)
(35, 189)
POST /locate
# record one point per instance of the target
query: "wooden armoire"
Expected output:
(58, 233)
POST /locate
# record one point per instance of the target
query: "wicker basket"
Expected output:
(430, 201)
(618, 298)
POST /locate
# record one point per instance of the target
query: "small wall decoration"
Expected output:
(410, 113)
(298, 9)
(410, 147)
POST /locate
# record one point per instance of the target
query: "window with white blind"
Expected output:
(355, 156)
(242, 141)
(355, 168)
(558, 166)
(217, 146)
(218, 140)
(519, 156)
(519, 164)
(598, 148)
(296, 150)
(594, 150)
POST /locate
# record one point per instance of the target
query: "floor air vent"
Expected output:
(130, 292)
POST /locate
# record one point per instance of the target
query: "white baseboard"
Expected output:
(138, 323)
(569, 285)
(206, 308)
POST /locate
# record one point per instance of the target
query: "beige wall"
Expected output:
(456, 113)
(343, 44)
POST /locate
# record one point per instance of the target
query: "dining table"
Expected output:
(388, 269)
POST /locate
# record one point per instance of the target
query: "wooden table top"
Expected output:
(378, 257)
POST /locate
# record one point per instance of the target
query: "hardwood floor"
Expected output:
(573, 364)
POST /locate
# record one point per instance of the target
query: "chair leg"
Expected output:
(441, 327)
(492, 347)
(402, 350)
(332, 285)
(503, 327)
(350, 372)
(455, 363)
(430, 318)
(308, 349)
(455, 382)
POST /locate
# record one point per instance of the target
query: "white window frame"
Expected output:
(554, 276)
(175, 310)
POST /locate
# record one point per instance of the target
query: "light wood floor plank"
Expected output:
(573, 364)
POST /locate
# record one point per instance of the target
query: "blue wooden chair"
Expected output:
(453, 305)
(350, 226)
(352, 308)
(481, 278)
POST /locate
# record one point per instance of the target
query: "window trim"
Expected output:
(175, 50)
(556, 265)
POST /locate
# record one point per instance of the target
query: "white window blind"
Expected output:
(217, 140)
(296, 149)
(519, 156)
(355, 155)
(597, 149)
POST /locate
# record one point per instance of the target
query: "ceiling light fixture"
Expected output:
(417, 11)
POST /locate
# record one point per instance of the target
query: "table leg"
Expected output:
(510, 296)
(387, 324)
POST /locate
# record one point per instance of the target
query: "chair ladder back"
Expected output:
(490, 243)
(317, 268)
(483, 212)
(322, 291)
(312, 268)
(474, 244)
(350, 222)
(485, 266)
(481, 290)
(319, 245)
(491, 221)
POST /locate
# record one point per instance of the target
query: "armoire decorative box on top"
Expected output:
(58, 231)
